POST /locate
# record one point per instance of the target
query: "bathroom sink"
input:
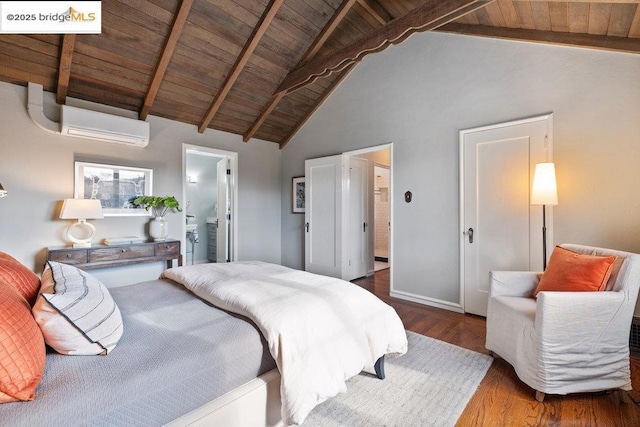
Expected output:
(192, 227)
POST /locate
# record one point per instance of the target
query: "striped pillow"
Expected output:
(76, 313)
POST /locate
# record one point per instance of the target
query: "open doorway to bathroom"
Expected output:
(209, 194)
(377, 227)
(381, 216)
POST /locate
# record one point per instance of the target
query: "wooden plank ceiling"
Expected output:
(261, 68)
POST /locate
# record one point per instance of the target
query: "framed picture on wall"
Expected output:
(297, 194)
(115, 186)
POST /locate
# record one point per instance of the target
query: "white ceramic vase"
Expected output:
(158, 229)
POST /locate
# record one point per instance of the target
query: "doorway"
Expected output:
(379, 237)
(381, 221)
(340, 212)
(500, 229)
(209, 194)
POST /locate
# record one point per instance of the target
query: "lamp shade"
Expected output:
(3, 192)
(81, 209)
(545, 191)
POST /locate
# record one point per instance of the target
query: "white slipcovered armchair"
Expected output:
(565, 342)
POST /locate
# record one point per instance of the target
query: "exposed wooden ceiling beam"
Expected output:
(376, 10)
(432, 14)
(320, 40)
(165, 57)
(64, 69)
(318, 103)
(592, 41)
(266, 112)
(247, 51)
(328, 29)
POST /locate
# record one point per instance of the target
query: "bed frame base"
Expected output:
(256, 403)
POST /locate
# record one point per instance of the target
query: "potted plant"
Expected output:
(159, 207)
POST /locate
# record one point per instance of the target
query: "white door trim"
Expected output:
(544, 117)
(233, 163)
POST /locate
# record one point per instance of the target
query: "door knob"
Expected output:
(470, 233)
(307, 226)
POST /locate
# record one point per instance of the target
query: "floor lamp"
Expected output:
(544, 192)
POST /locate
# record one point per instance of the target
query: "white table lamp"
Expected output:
(544, 192)
(82, 210)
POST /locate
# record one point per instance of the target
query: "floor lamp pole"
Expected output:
(544, 192)
(544, 238)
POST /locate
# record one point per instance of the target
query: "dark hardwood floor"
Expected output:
(502, 399)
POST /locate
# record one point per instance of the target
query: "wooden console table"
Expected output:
(101, 256)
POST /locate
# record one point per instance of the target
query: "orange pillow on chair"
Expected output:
(14, 273)
(570, 271)
(22, 349)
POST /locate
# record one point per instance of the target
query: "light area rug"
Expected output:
(428, 386)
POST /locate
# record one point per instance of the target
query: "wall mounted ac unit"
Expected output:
(89, 124)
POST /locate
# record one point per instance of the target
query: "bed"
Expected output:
(180, 361)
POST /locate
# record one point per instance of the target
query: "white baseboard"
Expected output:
(432, 302)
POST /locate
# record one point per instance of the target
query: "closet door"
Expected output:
(357, 218)
(501, 230)
(224, 212)
(323, 215)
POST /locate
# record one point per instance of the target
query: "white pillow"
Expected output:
(75, 312)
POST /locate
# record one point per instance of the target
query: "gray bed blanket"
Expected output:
(176, 354)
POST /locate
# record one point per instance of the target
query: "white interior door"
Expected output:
(224, 214)
(357, 218)
(323, 215)
(501, 230)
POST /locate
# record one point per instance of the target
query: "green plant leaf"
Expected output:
(159, 205)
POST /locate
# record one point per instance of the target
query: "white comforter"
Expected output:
(321, 330)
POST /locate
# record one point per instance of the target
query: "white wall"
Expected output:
(420, 93)
(37, 169)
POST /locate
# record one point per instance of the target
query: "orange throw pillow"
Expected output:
(20, 277)
(569, 271)
(22, 349)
